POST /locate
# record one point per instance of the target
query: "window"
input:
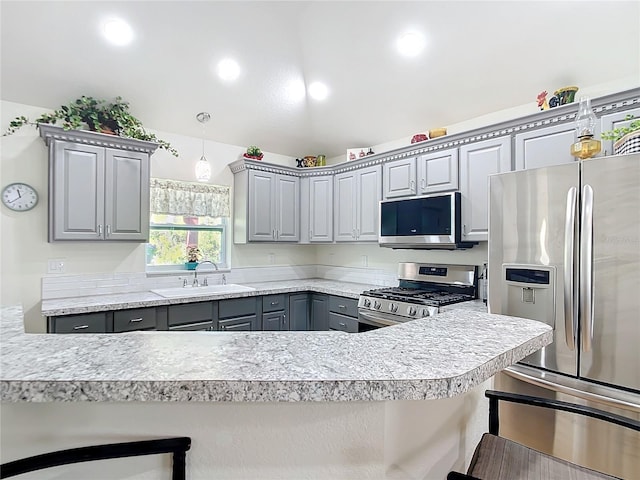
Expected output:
(170, 235)
(183, 215)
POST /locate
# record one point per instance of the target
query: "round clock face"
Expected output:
(19, 197)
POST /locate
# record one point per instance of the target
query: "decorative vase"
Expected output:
(630, 143)
(191, 265)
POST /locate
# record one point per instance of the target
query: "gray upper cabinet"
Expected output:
(356, 204)
(478, 161)
(615, 120)
(316, 209)
(438, 171)
(273, 210)
(399, 178)
(544, 147)
(97, 192)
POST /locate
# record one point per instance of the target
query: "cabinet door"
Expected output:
(477, 162)
(76, 209)
(319, 312)
(134, 319)
(438, 171)
(126, 195)
(287, 203)
(545, 147)
(299, 312)
(342, 323)
(321, 209)
(240, 324)
(274, 321)
(615, 120)
(368, 203)
(345, 207)
(261, 210)
(399, 178)
(84, 323)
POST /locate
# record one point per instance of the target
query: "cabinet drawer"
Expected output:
(136, 319)
(89, 323)
(190, 313)
(342, 323)
(237, 307)
(273, 303)
(344, 306)
(193, 327)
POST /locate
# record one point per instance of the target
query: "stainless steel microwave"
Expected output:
(429, 222)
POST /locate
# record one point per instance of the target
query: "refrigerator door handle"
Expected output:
(570, 294)
(586, 268)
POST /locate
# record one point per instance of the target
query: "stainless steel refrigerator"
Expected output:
(564, 248)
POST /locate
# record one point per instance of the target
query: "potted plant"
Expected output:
(193, 256)
(253, 152)
(626, 139)
(98, 116)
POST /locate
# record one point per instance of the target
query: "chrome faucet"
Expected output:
(196, 283)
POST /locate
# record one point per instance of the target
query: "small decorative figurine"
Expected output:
(299, 162)
(352, 156)
(542, 101)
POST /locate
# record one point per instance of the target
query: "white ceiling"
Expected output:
(481, 57)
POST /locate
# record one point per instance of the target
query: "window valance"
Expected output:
(173, 197)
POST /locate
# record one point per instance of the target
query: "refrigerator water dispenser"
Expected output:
(529, 292)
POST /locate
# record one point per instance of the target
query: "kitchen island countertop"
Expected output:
(435, 357)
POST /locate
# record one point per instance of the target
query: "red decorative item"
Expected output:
(420, 137)
(253, 157)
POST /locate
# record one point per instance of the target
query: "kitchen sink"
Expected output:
(200, 291)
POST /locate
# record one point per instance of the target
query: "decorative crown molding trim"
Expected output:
(51, 132)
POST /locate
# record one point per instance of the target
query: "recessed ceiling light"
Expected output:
(318, 91)
(410, 44)
(117, 31)
(228, 69)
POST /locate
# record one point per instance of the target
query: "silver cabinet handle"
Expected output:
(342, 306)
(99, 230)
(223, 327)
(353, 234)
(570, 297)
(342, 324)
(81, 327)
(357, 233)
(108, 230)
(284, 319)
(413, 186)
(135, 320)
(275, 303)
(273, 234)
(586, 265)
(423, 183)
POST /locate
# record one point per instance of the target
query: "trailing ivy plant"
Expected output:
(98, 116)
(617, 133)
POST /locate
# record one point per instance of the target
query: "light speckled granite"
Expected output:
(435, 357)
(101, 303)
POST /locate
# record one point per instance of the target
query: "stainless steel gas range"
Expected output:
(423, 288)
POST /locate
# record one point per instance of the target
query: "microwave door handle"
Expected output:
(570, 297)
(586, 268)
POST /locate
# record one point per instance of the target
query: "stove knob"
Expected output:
(424, 312)
(367, 302)
(376, 304)
(393, 307)
(412, 311)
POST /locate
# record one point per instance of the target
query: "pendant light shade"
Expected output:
(203, 168)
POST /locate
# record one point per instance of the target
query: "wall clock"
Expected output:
(19, 197)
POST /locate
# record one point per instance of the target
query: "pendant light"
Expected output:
(203, 169)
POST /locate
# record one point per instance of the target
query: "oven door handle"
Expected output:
(384, 320)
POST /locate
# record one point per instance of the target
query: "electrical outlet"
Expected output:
(365, 260)
(55, 265)
(272, 258)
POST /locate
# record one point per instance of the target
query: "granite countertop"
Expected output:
(435, 357)
(101, 303)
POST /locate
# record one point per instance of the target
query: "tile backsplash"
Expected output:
(62, 286)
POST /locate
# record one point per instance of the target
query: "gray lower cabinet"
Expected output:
(319, 312)
(299, 312)
(84, 323)
(238, 314)
(191, 316)
(343, 314)
(97, 192)
(274, 312)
